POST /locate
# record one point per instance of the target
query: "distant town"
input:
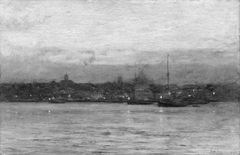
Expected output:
(118, 91)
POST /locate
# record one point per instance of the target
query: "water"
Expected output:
(98, 128)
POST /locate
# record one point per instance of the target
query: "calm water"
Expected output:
(83, 128)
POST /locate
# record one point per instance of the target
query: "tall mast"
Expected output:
(238, 81)
(135, 75)
(239, 57)
(135, 78)
(135, 82)
(167, 73)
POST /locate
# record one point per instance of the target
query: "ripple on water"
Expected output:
(118, 129)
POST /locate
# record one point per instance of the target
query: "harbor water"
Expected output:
(104, 128)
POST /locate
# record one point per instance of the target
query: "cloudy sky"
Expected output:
(117, 32)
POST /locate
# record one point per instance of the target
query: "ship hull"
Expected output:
(140, 102)
(180, 102)
(171, 103)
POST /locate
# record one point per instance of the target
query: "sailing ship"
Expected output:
(134, 100)
(169, 99)
(189, 95)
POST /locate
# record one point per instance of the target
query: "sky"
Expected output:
(117, 32)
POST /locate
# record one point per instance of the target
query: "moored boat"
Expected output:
(169, 99)
(171, 103)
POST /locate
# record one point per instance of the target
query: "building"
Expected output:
(120, 81)
(66, 82)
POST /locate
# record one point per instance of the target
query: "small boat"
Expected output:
(180, 101)
(57, 100)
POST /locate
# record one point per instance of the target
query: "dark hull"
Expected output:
(160, 104)
(139, 102)
(181, 102)
(171, 103)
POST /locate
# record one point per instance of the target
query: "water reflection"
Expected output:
(160, 109)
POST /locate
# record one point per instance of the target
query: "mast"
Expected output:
(238, 81)
(134, 84)
(167, 73)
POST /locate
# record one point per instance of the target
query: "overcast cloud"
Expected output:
(118, 32)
